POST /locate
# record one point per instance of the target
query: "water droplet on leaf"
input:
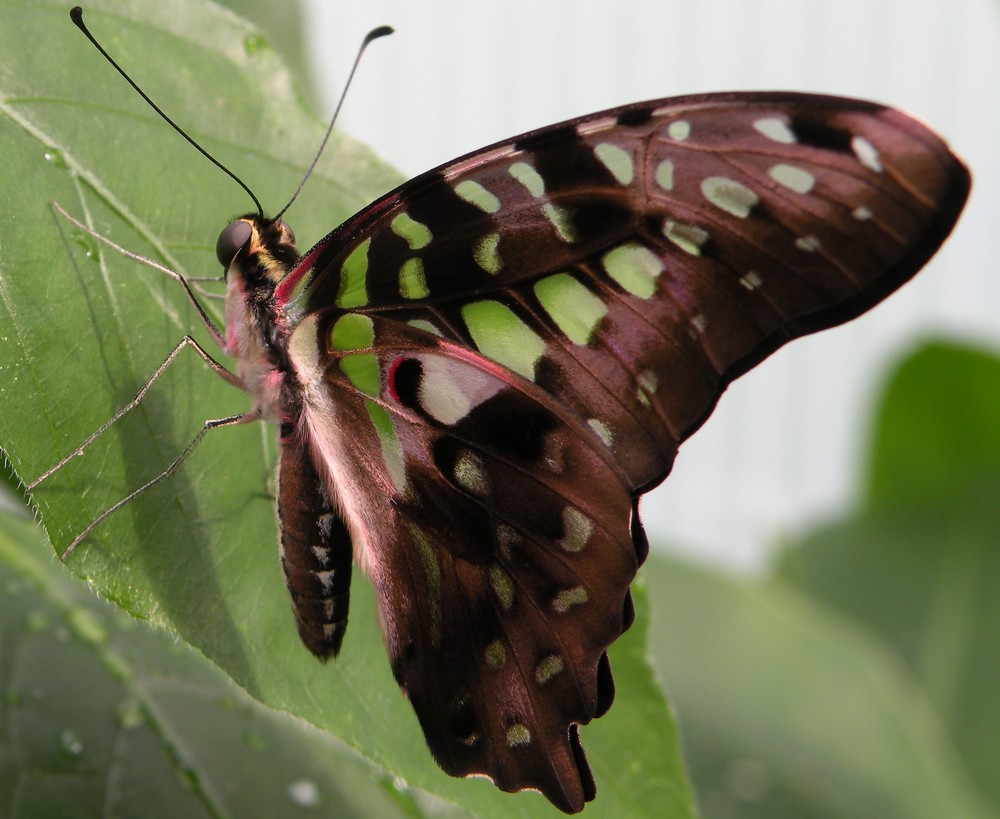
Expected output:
(304, 793)
(70, 743)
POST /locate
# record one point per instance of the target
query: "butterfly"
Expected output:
(477, 377)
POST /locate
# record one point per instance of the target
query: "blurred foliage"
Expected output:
(861, 678)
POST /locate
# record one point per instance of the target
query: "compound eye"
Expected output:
(289, 234)
(234, 238)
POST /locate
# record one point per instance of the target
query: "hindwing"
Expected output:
(499, 534)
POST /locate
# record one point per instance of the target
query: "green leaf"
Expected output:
(83, 327)
(106, 717)
(936, 429)
(920, 565)
(789, 709)
(281, 26)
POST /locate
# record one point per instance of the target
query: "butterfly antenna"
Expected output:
(374, 34)
(76, 15)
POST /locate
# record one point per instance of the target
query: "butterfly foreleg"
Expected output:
(206, 320)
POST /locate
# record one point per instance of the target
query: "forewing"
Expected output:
(634, 262)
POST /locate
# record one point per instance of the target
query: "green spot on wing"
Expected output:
(729, 195)
(568, 598)
(499, 334)
(688, 238)
(412, 281)
(355, 332)
(352, 332)
(432, 574)
(503, 586)
(617, 160)
(665, 175)
(353, 275)
(392, 450)
(635, 267)
(486, 254)
(476, 194)
(496, 655)
(578, 528)
(362, 371)
(548, 668)
(469, 473)
(574, 308)
(679, 129)
(791, 177)
(529, 177)
(426, 326)
(518, 735)
(414, 233)
(562, 221)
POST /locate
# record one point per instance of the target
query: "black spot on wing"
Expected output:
(547, 139)
(821, 132)
(639, 115)
(511, 426)
(404, 382)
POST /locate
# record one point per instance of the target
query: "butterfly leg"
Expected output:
(242, 418)
(203, 316)
(187, 341)
(232, 420)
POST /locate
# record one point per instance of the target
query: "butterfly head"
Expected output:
(263, 249)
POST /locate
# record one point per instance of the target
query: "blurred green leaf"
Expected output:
(788, 709)
(920, 566)
(937, 428)
(82, 328)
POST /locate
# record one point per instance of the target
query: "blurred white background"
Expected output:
(785, 447)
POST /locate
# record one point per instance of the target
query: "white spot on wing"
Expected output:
(794, 178)
(602, 430)
(729, 195)
(688, 238)
(665, 175)
(775, 129)
(808, 244)
(595, 126)
(679, 129)
(449, 391)
(866, 153)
